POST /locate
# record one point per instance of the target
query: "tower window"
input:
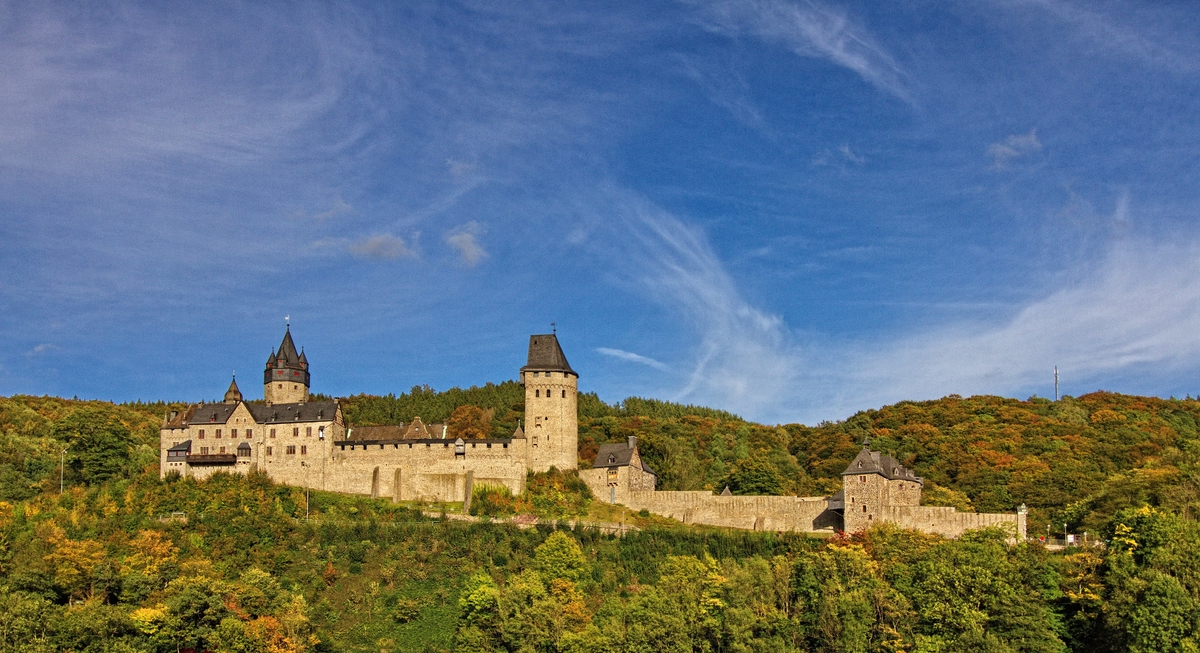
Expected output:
(295, 431)
(864, 507)
(564, 394)
(272, 432)
(537, 393)
(270, 451)
(303, 450)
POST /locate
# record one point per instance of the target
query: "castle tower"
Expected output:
(872, 486)
(551, 416)
(285, 380)
(233, 395)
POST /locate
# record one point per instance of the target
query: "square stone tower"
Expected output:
(872, 485)
(551, 413)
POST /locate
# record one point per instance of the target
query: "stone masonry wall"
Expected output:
(760, 513)
(948, 521)
(423, 469)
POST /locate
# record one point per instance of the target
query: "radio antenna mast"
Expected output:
(1055, 383)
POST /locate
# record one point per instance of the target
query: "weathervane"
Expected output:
(287, 320)
(554, 327)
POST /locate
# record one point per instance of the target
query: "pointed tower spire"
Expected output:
(233, 394)
(286, 377)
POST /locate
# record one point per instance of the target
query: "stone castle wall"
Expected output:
(428, 470)
(949, 522)
(760, 513)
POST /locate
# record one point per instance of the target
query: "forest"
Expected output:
(120, 560)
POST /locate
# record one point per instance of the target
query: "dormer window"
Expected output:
(611, 459)
(860, 464)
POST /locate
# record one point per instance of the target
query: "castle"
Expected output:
(307, 443)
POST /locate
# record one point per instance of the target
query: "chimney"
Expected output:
(633, 442)
(174, 414)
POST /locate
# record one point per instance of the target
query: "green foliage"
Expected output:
(95, 568)
(755, 475)
(552, 494)
(560, 557)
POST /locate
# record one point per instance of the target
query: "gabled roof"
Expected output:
(309, 411)
(619, 455)
(212, 413)
(874, 462)
(545, 355)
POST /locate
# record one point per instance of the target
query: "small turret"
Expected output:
(233, 395)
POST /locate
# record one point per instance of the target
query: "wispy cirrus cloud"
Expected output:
(1014, 147)
(1134, 309)
(809, 29)
(1128, 35)
(633, 358)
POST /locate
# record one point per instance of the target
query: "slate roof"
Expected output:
(287, 350)
(618, 455)
(309, 411)
(287, 358)
(874, 462)
(184, 446)
(415, 430)
(545, 355)
(233, 394)
(211, 413)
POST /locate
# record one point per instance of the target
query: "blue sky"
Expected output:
(791, 210)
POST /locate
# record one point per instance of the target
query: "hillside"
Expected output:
(104, 566)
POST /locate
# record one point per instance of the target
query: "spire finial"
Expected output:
(554, 327)
(287, 322)
(866, 441)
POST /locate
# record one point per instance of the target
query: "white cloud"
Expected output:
(1013, 147)
(42, 348)
(382, 246)
(1138, 308)
(839, 157)
(465, 240)
(1134, 310)
(1133, 36)
(744, 359)
(633, 358)
(810, 30)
